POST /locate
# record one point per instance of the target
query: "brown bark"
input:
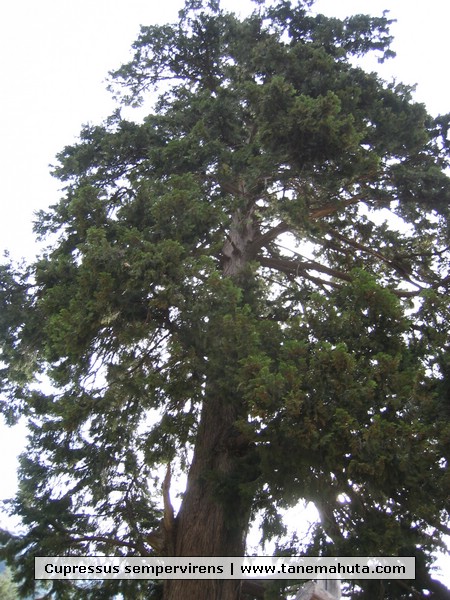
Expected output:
(214, 516)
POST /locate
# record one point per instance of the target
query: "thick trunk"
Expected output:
(240, 247)
(207, 589)
(214, 516)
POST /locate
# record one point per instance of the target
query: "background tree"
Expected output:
(8, 588)
(249, 289)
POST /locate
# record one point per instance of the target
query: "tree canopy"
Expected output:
(7, 587)
(248, 289)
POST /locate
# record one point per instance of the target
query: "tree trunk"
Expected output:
(213, 517)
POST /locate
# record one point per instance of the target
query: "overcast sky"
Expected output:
(55, 56)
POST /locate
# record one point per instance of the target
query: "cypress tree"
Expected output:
(246, 292)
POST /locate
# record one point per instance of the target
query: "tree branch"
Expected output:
(107, 540)
(292, 267)
(358, 246)
(329, 209)
(297, 268)
(270, 235)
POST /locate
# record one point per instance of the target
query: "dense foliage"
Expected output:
(8, 590)
(251, 286)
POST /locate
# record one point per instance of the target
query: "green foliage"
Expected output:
(271, 239)
(8, 590)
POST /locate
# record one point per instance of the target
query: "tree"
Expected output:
(248, 289)
(8, 589)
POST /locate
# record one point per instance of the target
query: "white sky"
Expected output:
(55, 56)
